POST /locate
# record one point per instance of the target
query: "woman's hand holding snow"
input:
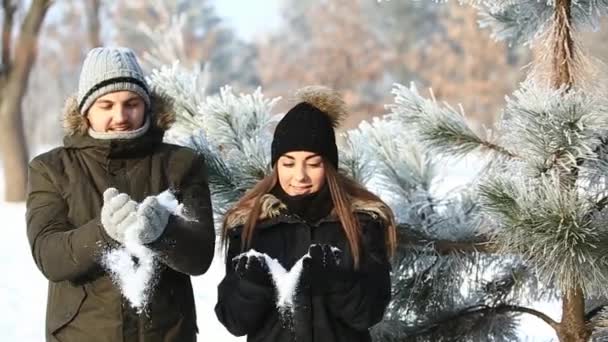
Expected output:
(321, 265)
(252, 268)
(117, 213)
(152, 218)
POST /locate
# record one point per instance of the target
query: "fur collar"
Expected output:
(162, 114)
(273, 207)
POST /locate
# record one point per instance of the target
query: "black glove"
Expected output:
(252, 268)
(321, 267)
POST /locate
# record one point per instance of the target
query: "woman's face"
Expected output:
(301, 172)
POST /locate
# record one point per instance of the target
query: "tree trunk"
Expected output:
(12, 89)
(13, 148)
(7, 27)
(572, 327)
(563, 46)
(93, 27)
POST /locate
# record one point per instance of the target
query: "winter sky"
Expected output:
(249, 18)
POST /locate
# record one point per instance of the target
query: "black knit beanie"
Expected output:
(309, 125)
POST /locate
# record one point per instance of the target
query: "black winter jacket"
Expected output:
(344, 313)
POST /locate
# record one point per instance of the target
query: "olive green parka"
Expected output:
(67, 239)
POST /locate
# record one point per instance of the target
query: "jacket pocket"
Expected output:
(63, 305)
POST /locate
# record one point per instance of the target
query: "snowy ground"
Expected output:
(23, 289)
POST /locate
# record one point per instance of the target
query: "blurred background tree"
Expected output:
(19, 42)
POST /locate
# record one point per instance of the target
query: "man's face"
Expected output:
(119, 111)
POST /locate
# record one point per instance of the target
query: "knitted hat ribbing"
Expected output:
(109, 69)
(309, 125)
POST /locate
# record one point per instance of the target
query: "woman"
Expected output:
(306, 210)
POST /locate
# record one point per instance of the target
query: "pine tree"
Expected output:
(542, 196)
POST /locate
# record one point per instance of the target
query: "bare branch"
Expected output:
(444, 247)
(25, 49)
(499, 149)
(7, 26)
(413, 239)
(93, 25)
(484, 309)
(520, 309)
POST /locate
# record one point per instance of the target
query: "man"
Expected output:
(84, 196)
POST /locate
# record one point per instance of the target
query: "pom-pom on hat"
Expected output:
(309, 125)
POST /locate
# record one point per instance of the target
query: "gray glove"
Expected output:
(117, 213)
(152, 218)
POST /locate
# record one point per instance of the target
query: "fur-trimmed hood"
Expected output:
(162, 113)
(273, 207)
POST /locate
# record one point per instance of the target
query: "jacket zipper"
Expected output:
(312, 325)
(140, 328)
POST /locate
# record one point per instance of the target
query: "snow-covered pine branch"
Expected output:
(187, 89)
(553, 130)
(521, 21)
(444, 244)
(518, 22)
(442, 128)
(402, 173)
(354, 161)
(234, 121)
(167, 41)
(557, 231)
(232, 131)
(240, 126)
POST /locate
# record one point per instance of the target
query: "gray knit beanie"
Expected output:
(109, 69)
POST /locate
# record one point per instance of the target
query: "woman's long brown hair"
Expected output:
(342, 189)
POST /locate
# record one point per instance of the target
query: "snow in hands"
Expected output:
(135, 279)
(286, 282)
(132, 266)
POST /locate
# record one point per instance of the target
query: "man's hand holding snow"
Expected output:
(117, 213)
(152, 219)
(252, 268)
(120, 216)
(134, 225)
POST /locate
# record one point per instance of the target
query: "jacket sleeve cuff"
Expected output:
(88, 244)
(242, 305)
